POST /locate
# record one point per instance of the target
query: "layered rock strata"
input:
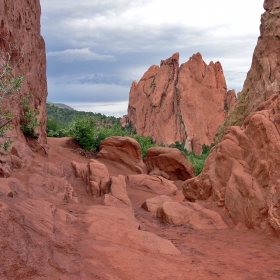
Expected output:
(242, 172)
(20, 36)
(263, 78)
(185, 104)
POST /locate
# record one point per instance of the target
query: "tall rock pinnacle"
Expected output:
(185, 104)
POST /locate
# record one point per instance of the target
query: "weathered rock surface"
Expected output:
(242, 173)
(169, 163)
(152, 204)
(20, 26)
(96, 176)
(185, 104)
(124, 150)
(124, 228)
(118, 189)
(154, 184)
(263, 78)
(182, 213)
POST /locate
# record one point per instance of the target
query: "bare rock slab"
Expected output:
(180, 213)
(152, 204)
(169, 161)
(153, 184)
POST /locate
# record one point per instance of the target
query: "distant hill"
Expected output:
(65, 114)
(61, 105)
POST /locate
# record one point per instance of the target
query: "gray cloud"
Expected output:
(95, 50)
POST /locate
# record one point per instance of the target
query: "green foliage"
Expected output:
(65, 116)
(9, 86)
(55, 128)
(226, 107)
(145, 143)
(82, 130)
(196, 160)
(28, 120)
(91, 129)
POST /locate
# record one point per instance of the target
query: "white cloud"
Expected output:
(84, 54)
(116, 109)
(115, 42)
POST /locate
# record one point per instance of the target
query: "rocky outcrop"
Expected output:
(96, 176)
(20, 27)
(169, 163)
(242, 173)
(123, 150)
(193, 214)
(263, 78)
(153, 184)
(186, 104)
(152, 204)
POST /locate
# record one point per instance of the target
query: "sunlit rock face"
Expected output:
(20, 27)
(185, 104)
(242, 172)
(263, 78)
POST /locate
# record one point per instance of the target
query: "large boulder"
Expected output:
(96, 176)
(123, 150)
(185, 104)
(169, 161)
(117, 195)
(153, 184)
(242, 172)
(152, 204)
(183, 213)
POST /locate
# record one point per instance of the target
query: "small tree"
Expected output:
(10, 85)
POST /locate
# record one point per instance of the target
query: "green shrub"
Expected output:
(196, 160)
(82, 130)
(28, 120)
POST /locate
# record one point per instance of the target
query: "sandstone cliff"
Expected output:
(242, 172)
(185, 104)
(263, 78)
(20, 26)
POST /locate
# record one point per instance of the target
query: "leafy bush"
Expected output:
(28, 120)
(82, 130)
(196, 160)
(9, 86)
(55, 128)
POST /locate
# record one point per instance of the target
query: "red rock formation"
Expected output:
(169, 163)
(263, 78)
(153, 184)
(152, 204)
(20, 26)
(242, 172)
(123, 150)
(194, 214)
(96, 176)
(185, 104)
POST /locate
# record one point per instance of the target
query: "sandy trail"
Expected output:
(86, 249)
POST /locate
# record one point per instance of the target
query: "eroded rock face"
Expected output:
(185, 104)
(152, 204)
(263, 78)
(242, 173)
(169, 163)
(123, 150)
(20, 26)
(182, 213)
(96, 176)
(153, 184)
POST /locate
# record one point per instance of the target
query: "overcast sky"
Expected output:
(96, 48)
